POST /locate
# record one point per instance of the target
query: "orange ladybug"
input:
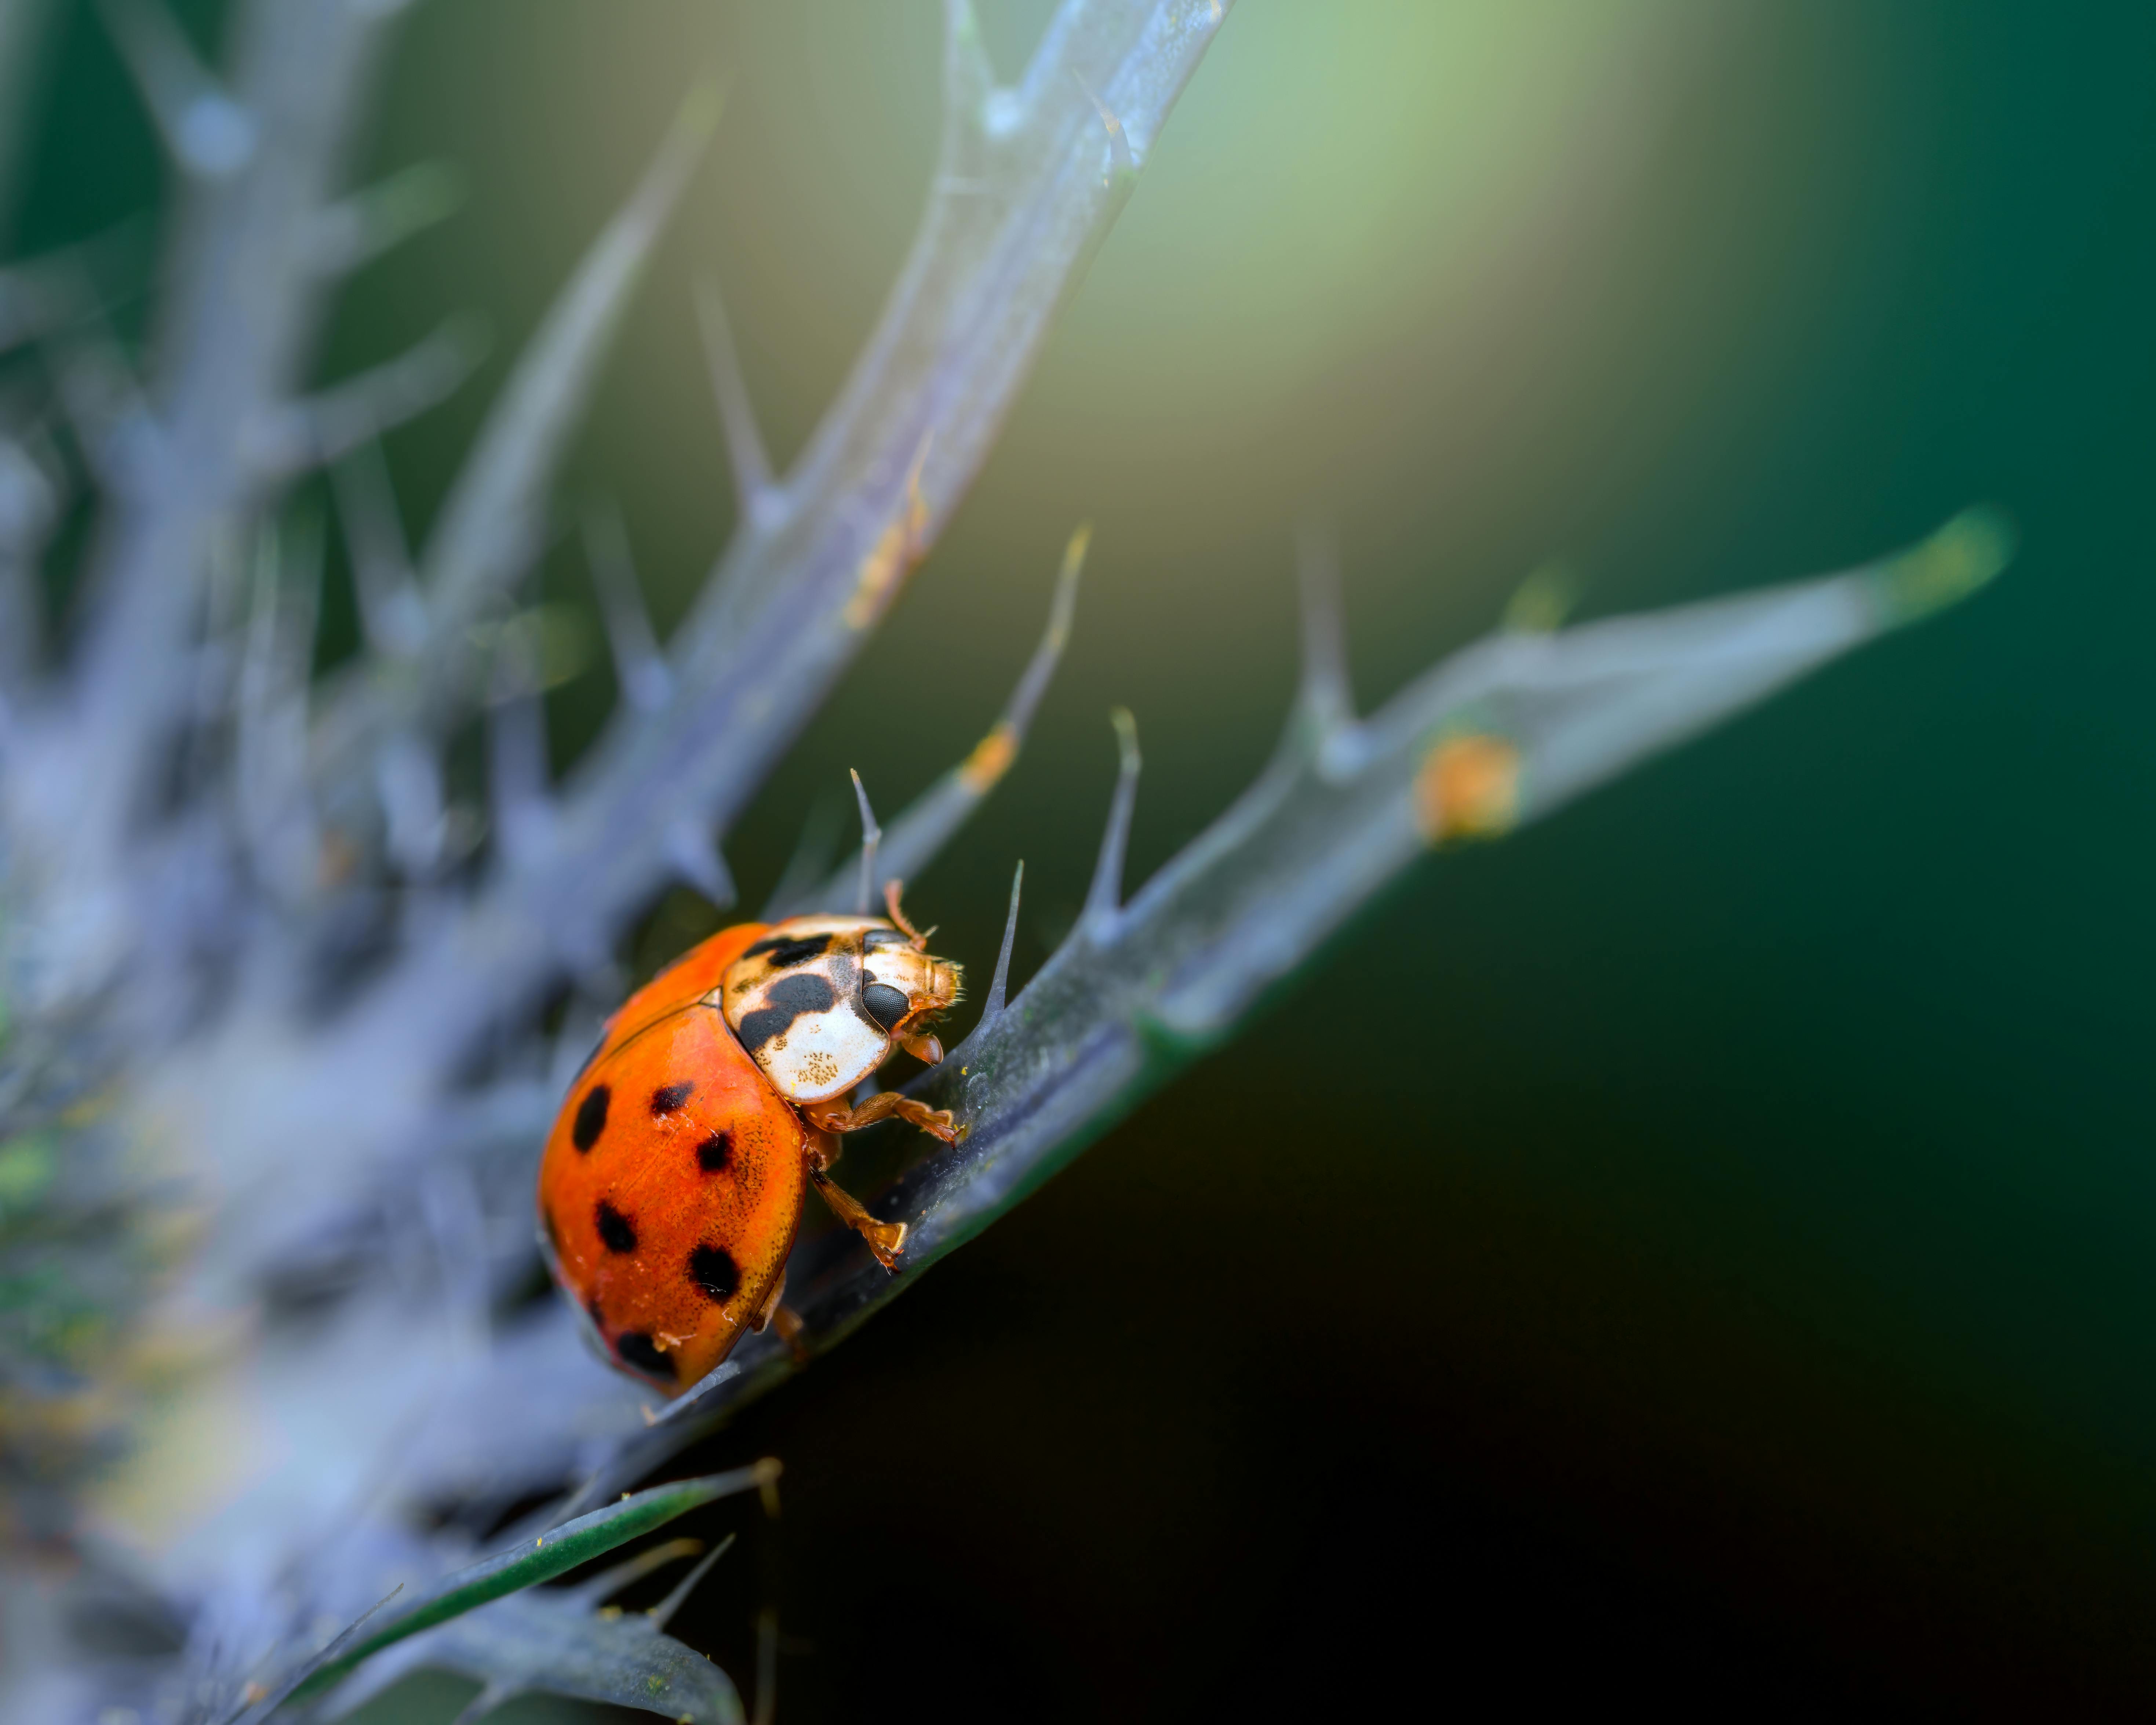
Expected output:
(672, 1181)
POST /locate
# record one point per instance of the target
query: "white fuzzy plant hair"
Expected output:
(193, 825)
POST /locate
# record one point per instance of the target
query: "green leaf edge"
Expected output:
(553, 1552)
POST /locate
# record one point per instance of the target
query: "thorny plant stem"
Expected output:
(1505, 732)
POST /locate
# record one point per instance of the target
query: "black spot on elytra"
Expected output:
(790, 997)
(637, 1349)
(712, 1153)
(712, 1269)
(669, 1096)
(616, 1231)
(591, 1117)
(885, 1004)
(784, 952)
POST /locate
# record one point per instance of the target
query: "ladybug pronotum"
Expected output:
(672, 1181)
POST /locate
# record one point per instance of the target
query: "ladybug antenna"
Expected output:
(891, 889)
(872, 836)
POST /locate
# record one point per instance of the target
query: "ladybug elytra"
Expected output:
(673, 1178)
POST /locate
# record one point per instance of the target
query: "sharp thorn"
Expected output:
(872, 836)
(1104, 899)
(662, 1614)
(992, 1008)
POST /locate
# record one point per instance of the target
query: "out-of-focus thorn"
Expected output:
(690, 849)
(765, 1708)
(487, 527)
(517, 775)
(872, 836)
(1966, 553)
(991, 1008)
(119, 436)
(393, 612)
(1105, 898)
(208, 133)
(968, 80)
(1327, 696)
(1541, 603)
(662, 1614)
(28, 505)
(487, 1700)
(754, 490)
(605, 1585)
(324, 427)
(354, 231)
(275, 806)
(646, 684)
(812, 852)
(1121, 158)
(408, 779)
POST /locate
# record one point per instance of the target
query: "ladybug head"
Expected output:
(904, 989)
(820, 1002)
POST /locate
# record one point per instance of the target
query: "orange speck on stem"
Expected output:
(991, 759)
(1468, 787)
(897, 549)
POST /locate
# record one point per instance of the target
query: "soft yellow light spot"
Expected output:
(1468, 788)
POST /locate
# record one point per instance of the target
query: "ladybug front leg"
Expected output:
(884, 1105)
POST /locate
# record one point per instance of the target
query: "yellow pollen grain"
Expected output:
(1468, 787)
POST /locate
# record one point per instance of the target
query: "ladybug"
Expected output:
(672, 1181)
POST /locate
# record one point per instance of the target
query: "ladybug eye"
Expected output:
(885, 1004)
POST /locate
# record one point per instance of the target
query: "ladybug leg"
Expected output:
(834, 1117)
(887, 1240)
(762, 1316)
(787, 1320)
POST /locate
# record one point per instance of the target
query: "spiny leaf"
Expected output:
(551, 1554)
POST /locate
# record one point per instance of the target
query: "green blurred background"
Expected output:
(1700, 1249)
